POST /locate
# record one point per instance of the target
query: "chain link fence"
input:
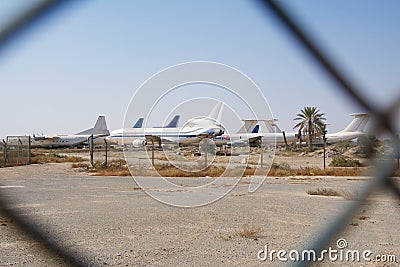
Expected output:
(2, 154)
(15, 150)
(98, 151)
(383, 122)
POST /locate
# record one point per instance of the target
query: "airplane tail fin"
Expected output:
(213, 120)
(252, 126)
(270, 125)
(358, 123)
(277, 129)
(255, 130)
(216, 112)
(100, 128)
(138, 124)
(174, 122)
(248, 126)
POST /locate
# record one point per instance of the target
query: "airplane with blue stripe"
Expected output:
(193, 131)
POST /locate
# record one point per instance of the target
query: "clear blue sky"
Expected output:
(91, 57)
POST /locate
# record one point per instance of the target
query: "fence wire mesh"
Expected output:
(2, 155)
(15, 150)
(383, 122)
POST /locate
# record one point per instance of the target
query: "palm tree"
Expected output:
(310, 121)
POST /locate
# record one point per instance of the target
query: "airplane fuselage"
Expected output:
(268, 138)
(62, 141)
(167, 135)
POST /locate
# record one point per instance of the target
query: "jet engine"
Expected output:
(139, 143)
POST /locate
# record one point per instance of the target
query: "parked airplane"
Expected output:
(172, 124)
(55, 141)
(249, 126)
(274, 135)
(354, 130)
(192, 132)
(247, 136)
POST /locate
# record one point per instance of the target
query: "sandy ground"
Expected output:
(141, 157)
(108, 221)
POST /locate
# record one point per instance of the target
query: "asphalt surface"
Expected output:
(110, 221)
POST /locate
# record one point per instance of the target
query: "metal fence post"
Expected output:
(90, 142)
(284, 138)
(4, 153)
(29, 150)
(398, 154)
(19, 144)
(106, 161)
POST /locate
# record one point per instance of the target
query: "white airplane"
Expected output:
(55, 141)
(249, 134)
(275, 135)
(193, 131)
(241, 137)
(354, 130)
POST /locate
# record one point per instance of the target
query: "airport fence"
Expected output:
(2, 150)
(98, 151)
(383, 119)
(15, 150)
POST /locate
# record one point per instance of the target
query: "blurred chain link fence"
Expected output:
(15, 150)
(383, 121)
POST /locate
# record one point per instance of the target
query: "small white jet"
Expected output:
(193, 131)
(56, 141)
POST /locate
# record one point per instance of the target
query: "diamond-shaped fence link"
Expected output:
(383, 121)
